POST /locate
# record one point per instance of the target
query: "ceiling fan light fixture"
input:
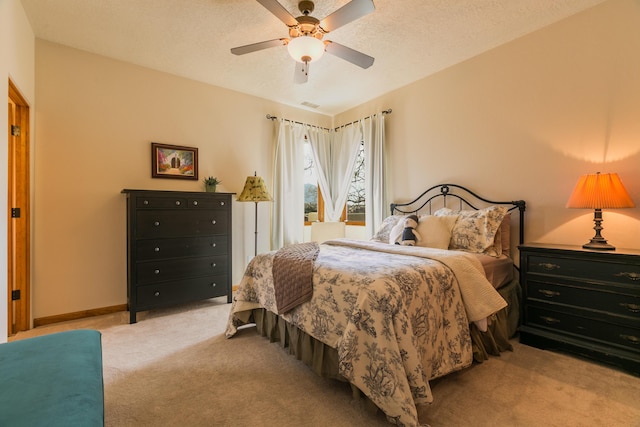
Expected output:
(306, 49)
(305, 43)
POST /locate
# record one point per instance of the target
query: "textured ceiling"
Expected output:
(409, 39)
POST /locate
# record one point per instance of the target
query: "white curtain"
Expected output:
(375, 172)
(335, 155)
(288, 185)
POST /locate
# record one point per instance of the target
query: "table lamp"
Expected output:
(599, 191)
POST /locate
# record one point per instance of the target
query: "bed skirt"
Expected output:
(323, 359)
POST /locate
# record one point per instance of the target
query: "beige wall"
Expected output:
(521, 121)
(95, 121)
(16, 63)
(526, 119)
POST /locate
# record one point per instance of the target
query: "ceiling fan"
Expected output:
(305, 44)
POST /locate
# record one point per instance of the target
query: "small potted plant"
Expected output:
(210, 184)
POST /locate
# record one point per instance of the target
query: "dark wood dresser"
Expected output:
(178, 248)
(582, 301)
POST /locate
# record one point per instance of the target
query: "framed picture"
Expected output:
(174, 161)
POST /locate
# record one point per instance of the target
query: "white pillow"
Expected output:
(435, 231)
(396, 232)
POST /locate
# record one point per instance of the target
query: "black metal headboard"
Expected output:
(464, 197)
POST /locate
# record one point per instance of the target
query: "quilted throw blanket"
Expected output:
(395, 314)
(293, 275)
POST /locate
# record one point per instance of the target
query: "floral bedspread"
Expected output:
(396, 317)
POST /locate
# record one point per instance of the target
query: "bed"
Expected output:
(386, 317)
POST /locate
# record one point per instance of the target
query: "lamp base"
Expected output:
(598, 242)
(599, 245)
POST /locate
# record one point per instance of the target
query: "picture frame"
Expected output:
(174, 161)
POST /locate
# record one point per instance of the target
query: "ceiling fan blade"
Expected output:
(358, 58)
(349, 12)
(279, 11)
(241, 50)
(301, 74)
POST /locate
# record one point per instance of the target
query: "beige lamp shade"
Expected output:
(254, 190)
(600, 191)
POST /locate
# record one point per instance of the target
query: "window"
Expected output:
(354, 211)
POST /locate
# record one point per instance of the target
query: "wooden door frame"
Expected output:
(18, 229)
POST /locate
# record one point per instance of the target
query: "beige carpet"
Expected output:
(175, 368)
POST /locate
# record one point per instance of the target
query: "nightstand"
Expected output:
(582, 301)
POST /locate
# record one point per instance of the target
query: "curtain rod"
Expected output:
(384, 112)
(270, 117)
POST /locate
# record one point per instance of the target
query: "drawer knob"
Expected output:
(146, 202)
(195, 203)
(178, 203)
(214, 284)
(221, 203)
(634, 308)
(156, 249)
(633, 276)
(548, 266)
(156, 271)
(632, 339)
(213, 222)
(156, 223)
(549, 320)
(549, 294)
(214, 265)
(156, 294)
(213, 245)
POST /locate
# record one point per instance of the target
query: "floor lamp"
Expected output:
(255, 191)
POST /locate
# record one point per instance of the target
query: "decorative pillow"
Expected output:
(435, 231)
(502, 241)
(382, 234)
(475, 231)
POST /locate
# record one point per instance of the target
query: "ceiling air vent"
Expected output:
(310, 104)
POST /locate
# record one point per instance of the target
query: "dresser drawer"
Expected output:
(603, 300)
(157, 202)
(606, 332)
(154, 249)
(209, 202)
(592, 270)
(169, 293)
(172, 223)
(181, 201)
(171, 269)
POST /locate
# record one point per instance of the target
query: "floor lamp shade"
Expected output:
(255, 191)
(599, 191)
